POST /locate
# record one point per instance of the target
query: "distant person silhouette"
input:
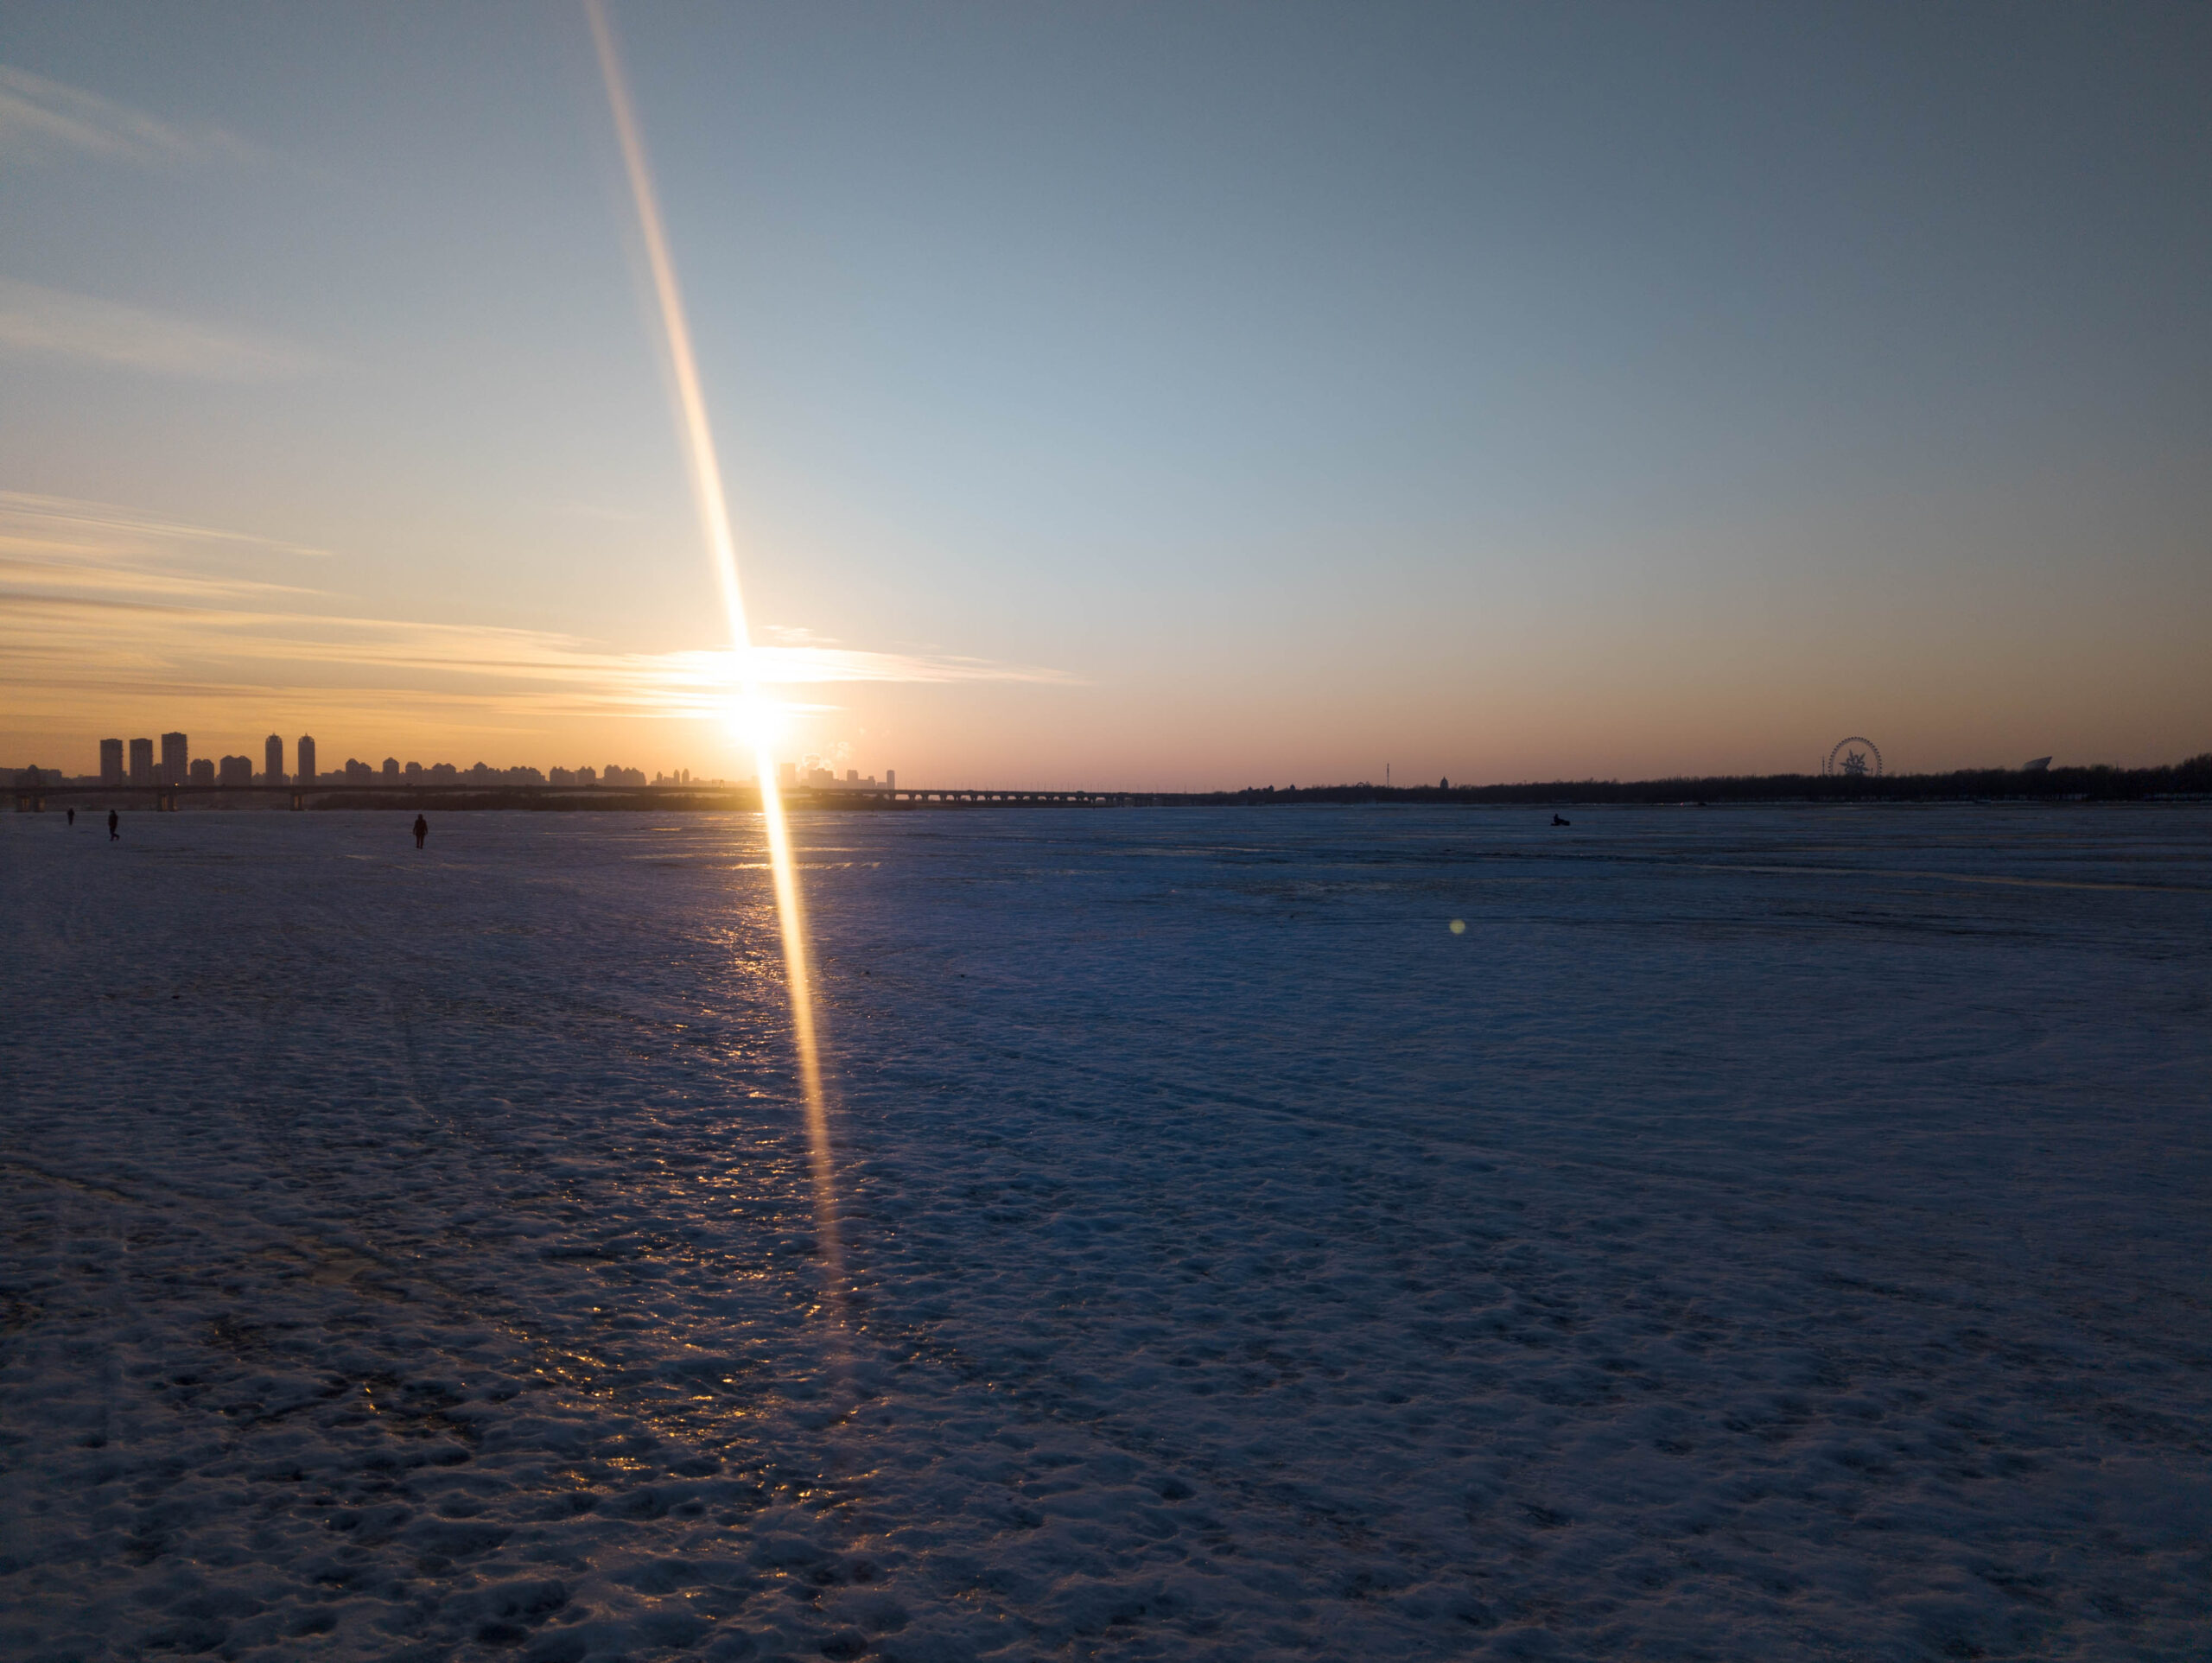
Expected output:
(73, 816)
(112, 835)
(422, 830)
(1556, 821)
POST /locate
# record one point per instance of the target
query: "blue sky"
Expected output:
(1203, 395)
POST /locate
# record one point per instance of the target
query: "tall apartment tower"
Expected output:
(111, 762)
(176, 760)
(891, 777)
(305, 757)
(272, 753)
(141, 762)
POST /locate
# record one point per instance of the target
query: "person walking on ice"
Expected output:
(112, 835)
(422, 830)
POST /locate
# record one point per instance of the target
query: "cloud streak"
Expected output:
(56, 323)
(36, 110)
(48, 617)
(90, 595)
(101, 530)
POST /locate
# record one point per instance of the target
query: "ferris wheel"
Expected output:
(1853, 759)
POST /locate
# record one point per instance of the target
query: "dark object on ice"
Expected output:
(422, 830)
(1556, 821)
(112, 835)
(73, 816)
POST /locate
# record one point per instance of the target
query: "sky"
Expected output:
(1115, 395)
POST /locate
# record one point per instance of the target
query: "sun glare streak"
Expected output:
(714, 521)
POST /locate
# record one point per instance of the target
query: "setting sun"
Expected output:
(756, 720)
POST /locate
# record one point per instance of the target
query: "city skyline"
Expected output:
(1122, 399)
(132, 763)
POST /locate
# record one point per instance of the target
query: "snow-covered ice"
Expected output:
(1760, 1234)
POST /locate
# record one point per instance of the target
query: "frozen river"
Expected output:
(1758, 1233)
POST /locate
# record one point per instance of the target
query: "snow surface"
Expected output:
(1761, 1234)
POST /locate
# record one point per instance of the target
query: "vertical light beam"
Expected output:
(713, 521)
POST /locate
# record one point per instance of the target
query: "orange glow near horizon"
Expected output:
(750, 704)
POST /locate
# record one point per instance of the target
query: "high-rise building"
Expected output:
(141, 762)
(272, 753)
(111, 762)
(203, 771)
(176, 760)
(235, 771)
(391, 771)
(890, 779)
(305, 757)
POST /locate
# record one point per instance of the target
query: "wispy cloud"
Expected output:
(100, 530)
(90, 594)
(58, 323)
(35, 111)
(50, 617)
(62, 546)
